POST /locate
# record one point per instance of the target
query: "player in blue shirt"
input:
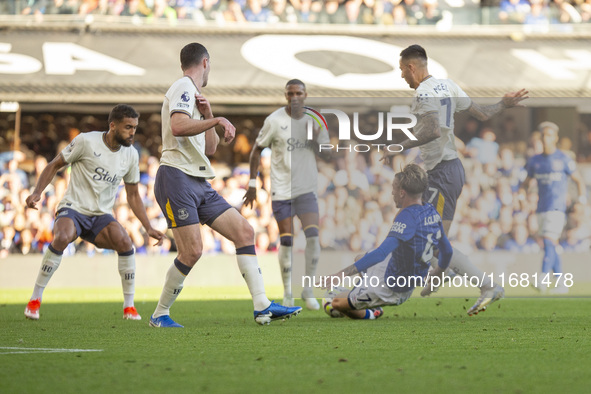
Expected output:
(401, 262)
(551, 170)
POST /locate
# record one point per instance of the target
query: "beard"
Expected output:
(122, 141)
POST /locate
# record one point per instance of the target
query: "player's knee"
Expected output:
(61, 241)
(190, 257)
(340, 304)
(245, 234)
(123, 245)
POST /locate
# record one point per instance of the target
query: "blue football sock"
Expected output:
(549, 256)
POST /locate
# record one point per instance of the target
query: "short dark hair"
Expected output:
(413, 179)
(414, 52)
(295, 82)
(121, 111)
(192, 54)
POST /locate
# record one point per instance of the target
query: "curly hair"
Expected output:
(413, 179)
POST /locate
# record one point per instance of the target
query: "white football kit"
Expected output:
(96, 174)
(446, 98)
(185, 153)
(293, 161)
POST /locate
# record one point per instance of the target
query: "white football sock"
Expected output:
(312, 254)
(49, 264)
(173, 285)
(126, 265)
(249, 268)
(285, 267)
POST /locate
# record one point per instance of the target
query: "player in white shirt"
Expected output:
(100, 160)
(435, 103)
(186, 197)
(292, 192)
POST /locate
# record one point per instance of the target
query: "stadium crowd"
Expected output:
(383, 12)
(355, 199)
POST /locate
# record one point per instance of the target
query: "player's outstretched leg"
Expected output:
(236, 228)
(486, 298)
(341, 304)
(265, 311)
(489, 291)
(50, 263)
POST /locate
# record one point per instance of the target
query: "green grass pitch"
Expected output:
(532, 345)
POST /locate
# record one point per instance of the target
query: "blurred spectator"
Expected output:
(255, 12)
(585, 9)
(36, 8)
(573, 243)
(562, 11)
(281, 11)
(508, 131)
(513, 11)
(188, 9)
(135, 8)
(537, 15)
(520, 241)
(161, 10)
(484, 148)
(414, 11)
(431, 13)
(62, 7)
(469, 130)
(233, 12)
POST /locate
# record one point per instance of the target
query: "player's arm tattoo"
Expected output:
(426, 130)
(350, 271)
(485, 112)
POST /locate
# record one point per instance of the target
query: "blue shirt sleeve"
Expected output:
(378, 255)
(569, 165)
(445, 250)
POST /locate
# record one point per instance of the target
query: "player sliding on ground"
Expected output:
(402, 260)
(100, 160)
(435, 103)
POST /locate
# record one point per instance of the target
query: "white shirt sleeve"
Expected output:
(463, 101)
(75, 150)
(182, 98)
(133, 172)
(424, 102)
(267, 133)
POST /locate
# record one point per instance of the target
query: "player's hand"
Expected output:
(250, 197)
(387, 157)
(512, 99)
(203, 106)
(153, 233)
(229, 129)
(32, 200)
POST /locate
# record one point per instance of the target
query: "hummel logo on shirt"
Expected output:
(97, 154)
